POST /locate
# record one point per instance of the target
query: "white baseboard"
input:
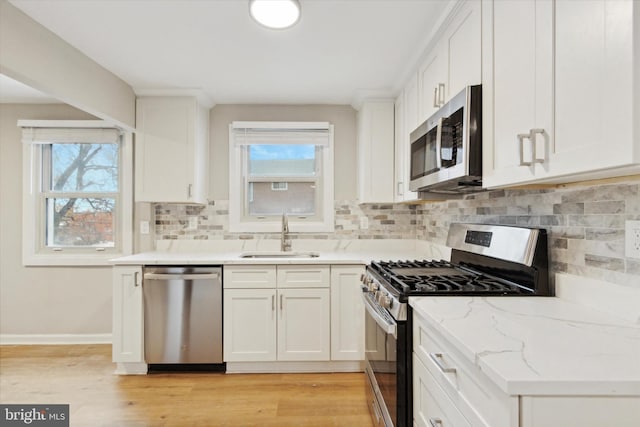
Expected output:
(53, 339)
(294, 367)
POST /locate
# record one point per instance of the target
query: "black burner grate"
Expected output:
(441, 277)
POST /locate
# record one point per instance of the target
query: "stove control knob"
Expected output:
(373, 286)
(387, 302)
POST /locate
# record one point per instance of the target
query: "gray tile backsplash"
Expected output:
(585, 224)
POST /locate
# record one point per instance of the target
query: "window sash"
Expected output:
(323, 221)
(45, 231)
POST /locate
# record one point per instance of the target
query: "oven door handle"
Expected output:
(387, 327)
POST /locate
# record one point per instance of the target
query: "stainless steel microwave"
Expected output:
(446, 150)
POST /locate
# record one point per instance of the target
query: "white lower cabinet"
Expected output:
(431, 406)
(347, 313)
(249, 325)
(450, 390)
(276, 324)
(303, 324)
(127, 315)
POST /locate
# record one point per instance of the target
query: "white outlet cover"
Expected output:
(144, 227)
(193, 223)
(364, 222)
(632, 239)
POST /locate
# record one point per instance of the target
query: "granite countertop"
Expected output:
(545, 345)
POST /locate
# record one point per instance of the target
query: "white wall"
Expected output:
(42, 300)
(343, 117)
(37, 57)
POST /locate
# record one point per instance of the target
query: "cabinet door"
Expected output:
(375, 152)
(431, 406)
(171, 150)
(249, 277)
(304, 276)
(582, 411)
(303, 324)
(127, 315)
(432, 76)
(249, 325)
(517, 86)
(464, 49)
(347, 313)
(593, 80)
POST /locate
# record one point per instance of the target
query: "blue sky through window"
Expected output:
(281, 152)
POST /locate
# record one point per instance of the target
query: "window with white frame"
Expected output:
(281, 168)
(76, 204)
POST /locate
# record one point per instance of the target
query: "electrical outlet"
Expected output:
(144, 227)
(193, 223)
(632, 239)
(364, 222)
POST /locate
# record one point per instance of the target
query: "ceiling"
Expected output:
(341, 50)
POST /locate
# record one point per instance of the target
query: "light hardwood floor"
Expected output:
(82, 376)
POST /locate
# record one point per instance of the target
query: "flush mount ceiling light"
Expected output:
(276, 14)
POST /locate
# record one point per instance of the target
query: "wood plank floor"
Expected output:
(82, 376)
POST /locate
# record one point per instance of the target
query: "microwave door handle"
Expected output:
(439, 144)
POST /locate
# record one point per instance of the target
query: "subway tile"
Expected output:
(607, 263)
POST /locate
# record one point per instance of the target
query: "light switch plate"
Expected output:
(144, 227)
(364, 222)
(632, 239)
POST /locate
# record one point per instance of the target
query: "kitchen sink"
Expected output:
(279, 254)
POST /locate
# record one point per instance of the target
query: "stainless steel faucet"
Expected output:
(285, 243)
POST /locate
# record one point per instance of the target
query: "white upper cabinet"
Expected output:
(557, 91)
(432, 77)
(455, 61)
(376, 176)
(171, 150)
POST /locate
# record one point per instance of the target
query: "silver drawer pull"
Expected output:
(435, 422)
(437, 359)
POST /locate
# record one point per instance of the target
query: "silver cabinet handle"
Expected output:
(400, 187)
(437, 359)
(273, 303)
(136, 278)
(435, 97)
(531, 136)
(440, 94)
(521, 138)
(190, 191)
(435, 422)
(281, 305)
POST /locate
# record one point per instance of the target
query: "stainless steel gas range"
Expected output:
(486, 260)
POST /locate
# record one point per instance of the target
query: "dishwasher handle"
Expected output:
(180, 276)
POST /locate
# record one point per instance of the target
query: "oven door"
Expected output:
(381, 363)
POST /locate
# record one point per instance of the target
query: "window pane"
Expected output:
(295, 198)
(84, 167)
(282, 160)
(80, 222)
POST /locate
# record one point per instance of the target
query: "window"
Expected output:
(77, 193)
(281, 168)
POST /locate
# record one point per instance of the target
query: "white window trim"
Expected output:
(236, 224)
(32, 222)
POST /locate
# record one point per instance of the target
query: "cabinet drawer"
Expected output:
(304, 276)
(431, 406)
(249, 277)
(475, 395)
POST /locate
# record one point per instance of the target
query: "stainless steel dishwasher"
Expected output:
(182, 315)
